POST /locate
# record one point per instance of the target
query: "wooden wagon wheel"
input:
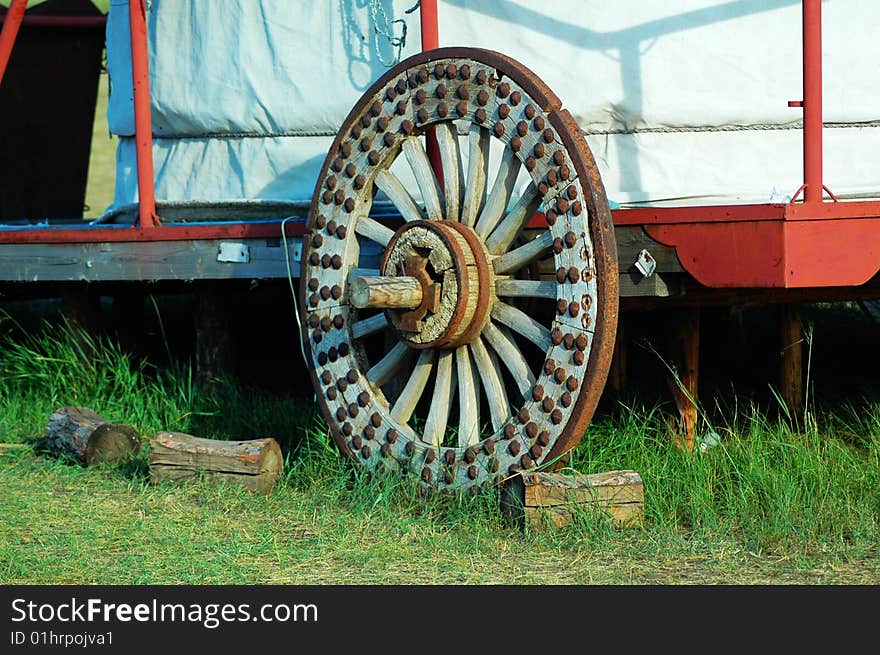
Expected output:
(469, 388)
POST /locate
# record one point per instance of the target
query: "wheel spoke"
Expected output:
(415, 386)
(502, 190)
(468, 399)
(368, 326)
(438, 415)
(522, 323)
(385, 368)
(525, 289)
(512, 224)
(507, 350)
(447, 139)
(424, 174)
(475, 185)
(491, 378)
(398, 195)
(523, 255)
(355, 273)
(373, 230)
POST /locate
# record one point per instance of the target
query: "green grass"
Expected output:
(770, 504)
(774, 503)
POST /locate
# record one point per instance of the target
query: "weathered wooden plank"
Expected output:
(522, 323)
(539, 499)
(367, 326)
(548, 489)
(658, 285)
(526, 288)
(438, 416)
(632, 240)
(517, 258)
(507, 350)
(512, 224)
(625, 514)
(468, 399)
(264, 258)
(489, 374)
(398, 195)
(406, 403)
(450, 159)
(158, 260)
(385, 368)
(155, 260)
(477, 175)
(499, 197)
(424, 174)
(373, 230)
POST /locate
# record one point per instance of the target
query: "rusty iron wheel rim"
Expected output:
(547, 412)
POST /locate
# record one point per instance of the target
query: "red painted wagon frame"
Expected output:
(806, 243)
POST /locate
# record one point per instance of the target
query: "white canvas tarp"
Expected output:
(680, 101)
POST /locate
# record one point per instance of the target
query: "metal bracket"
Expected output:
(233, 252)
(645, 264)
(414, 265)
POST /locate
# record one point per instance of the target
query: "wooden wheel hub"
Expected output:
(455, 280)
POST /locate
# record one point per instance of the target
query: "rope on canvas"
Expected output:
(385, 28)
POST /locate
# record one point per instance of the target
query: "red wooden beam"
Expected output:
(812, 45)
(143, 123)
(699, 214)
(11, 23)
(178, 232)
(739, 213)
(431, 41)
(60, 21)
(813, 185)
(776, 254)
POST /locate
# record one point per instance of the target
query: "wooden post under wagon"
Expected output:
(685, 347)
(791, 381)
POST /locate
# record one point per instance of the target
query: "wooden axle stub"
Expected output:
(451, 266)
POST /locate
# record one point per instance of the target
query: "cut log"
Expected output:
(254, 464)
(81, 434)
(540, 500)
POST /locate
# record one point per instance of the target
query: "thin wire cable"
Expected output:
(292, 290)
(754, 127)
(384, 27)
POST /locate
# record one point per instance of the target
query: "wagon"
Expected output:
(461, 266)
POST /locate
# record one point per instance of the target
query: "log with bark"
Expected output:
(254, 464)
(81, 434)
